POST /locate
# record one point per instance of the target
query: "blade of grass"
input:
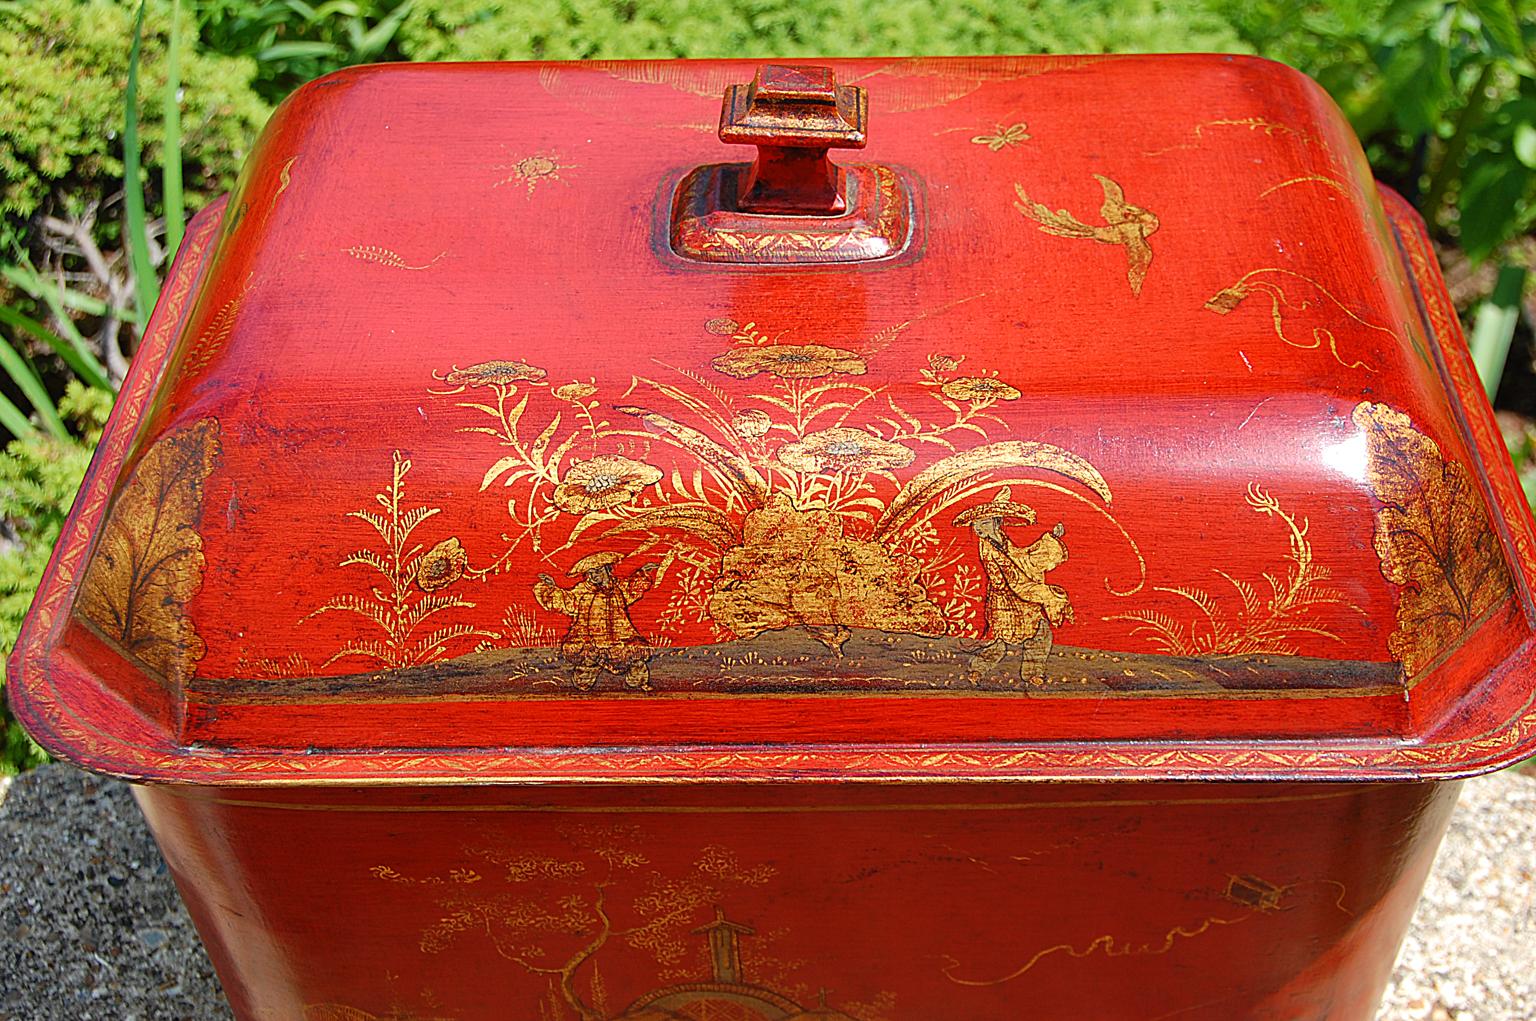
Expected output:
(26, 278)
(170, 172)
(1494, 327)
(25, 378)
(16, 423)
(83, 362)
(133, 190)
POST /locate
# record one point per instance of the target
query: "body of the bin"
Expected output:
(1055, 562)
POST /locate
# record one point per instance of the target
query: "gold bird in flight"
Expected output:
(1124, 224)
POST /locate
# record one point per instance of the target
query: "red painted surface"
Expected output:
(1120, 903)
(1121, 431)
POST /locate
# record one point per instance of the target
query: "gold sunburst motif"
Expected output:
(533, 170)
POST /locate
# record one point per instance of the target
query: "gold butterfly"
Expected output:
(1013, 134)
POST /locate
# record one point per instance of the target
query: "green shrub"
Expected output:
(38, 480)
(581, 29)
(63, 70)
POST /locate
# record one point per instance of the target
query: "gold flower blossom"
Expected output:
(790, 361)
(496, 373)
(848, 450)
(575, 392)
(723, 327)
(979, 390)
(442, 565)
(752, 424)
(603, 483)
(944, 363)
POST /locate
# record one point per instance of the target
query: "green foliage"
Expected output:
(63, 71)
(1442, 92)
(293, 42)
(39, 475)
(582, 29)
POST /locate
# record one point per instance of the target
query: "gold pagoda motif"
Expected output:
(727, 995)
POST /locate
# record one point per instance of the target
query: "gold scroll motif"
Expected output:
(1274, 615)
(1432, 536)
(1125, 225)
(1273, 129)
(1263, 282)
(904, 85)
(149, 561)
(1250, 897)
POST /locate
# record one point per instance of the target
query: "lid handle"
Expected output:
(794, 114)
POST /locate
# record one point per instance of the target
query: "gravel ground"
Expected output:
(91, 928)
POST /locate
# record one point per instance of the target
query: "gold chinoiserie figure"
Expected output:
(1022, 608)
(601, 636)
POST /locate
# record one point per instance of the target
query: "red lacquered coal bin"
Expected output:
(1027, 540)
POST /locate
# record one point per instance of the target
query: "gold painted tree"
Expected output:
(554, 915)
(149, 561)
(1432, 536)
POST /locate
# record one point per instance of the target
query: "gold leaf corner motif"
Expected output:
(1432, 536)
(149, 561)
(1125, 225)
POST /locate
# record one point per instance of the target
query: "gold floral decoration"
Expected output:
(1432, 536)
(442, 565)
(603, 482)
(844, 450)
(400, 609)
(790, 361)
(149, 561)
(979, 390)
(752, 424)
(1275, 614)
(575, 392)
(495, 373)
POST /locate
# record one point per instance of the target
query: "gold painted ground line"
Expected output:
(212, 698)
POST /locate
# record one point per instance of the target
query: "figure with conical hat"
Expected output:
(602, 636)
(1022, 608)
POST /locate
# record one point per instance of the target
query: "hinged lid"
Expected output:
(1094, 420)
